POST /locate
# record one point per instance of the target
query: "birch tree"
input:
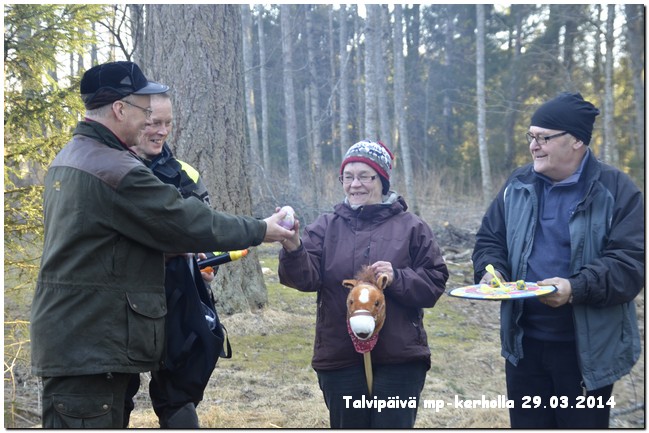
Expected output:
(480, 85)
(359, 59)
(343, 86)
(263, 86)
(380, 59)
(314, 109)
(371, 128)
(610, 153)
(332, 110)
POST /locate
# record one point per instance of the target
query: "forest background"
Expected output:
(268, 98)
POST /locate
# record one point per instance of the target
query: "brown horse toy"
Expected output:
(366, 314)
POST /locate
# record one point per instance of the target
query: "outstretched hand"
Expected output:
(292, 243)
(274, 231)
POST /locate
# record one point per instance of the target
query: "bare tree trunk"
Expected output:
(333, 110)
(401, 108)
(360, 93)
(94, 52)
(314, 100)
(572, 14)
(635, 33)
(512, 90)
(371, 19)
(610, 142)
(246, 26)
(418, 92)
(195, 49)
(598, 86)
(482, 124)
(289, 101)
(137, 26)
(382, 81)
(598, 66)
(263, 84)
(344, 82)
(448, 67)
(307, 120)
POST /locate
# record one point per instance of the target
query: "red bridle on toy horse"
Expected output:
(366, 314)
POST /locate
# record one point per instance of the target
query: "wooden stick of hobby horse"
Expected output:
(368, 370)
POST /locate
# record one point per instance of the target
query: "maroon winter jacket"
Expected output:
(335, 246)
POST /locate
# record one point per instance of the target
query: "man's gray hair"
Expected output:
(99, 111)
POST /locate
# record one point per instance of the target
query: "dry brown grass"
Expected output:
(269, 382)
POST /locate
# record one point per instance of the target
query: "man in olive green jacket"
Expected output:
(99, 306)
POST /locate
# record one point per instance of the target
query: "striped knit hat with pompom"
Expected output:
(376, 155)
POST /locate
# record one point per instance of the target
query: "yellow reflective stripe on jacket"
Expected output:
(191, 171)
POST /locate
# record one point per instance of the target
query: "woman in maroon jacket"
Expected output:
(370, 227)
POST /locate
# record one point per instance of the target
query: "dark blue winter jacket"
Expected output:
(606, 265)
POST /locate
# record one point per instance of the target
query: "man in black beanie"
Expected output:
(573, 222)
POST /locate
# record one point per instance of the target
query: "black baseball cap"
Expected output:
(106, 83)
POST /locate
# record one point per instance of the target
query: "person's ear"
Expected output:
(577, 144)
(118, 109)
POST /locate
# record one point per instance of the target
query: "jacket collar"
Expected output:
(162, 158)
(392, 205)
(97, 131)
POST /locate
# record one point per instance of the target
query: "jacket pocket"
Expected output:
(146, 326)
(79, 411)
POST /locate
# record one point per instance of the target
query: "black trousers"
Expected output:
(548, 382)
(171, 413)
(345, 391)
(92, 401)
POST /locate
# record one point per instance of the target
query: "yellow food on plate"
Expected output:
(488, 290)
(493, 287)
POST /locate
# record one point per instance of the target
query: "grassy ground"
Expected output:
(269, 382)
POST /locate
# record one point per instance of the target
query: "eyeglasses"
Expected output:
(147, 111)
(348, 179)
(541, 139)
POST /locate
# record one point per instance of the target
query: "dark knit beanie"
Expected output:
(374, 154)
(567, 112)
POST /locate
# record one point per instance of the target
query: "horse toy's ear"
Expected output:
(382, 281)
(350, 284)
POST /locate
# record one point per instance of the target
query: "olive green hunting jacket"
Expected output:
(99, 304)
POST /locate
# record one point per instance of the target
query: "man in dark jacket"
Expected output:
(98, 313)
(177, 410)
(570, 221)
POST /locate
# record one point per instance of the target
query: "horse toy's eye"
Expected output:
(376, 304)
(351, 301)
